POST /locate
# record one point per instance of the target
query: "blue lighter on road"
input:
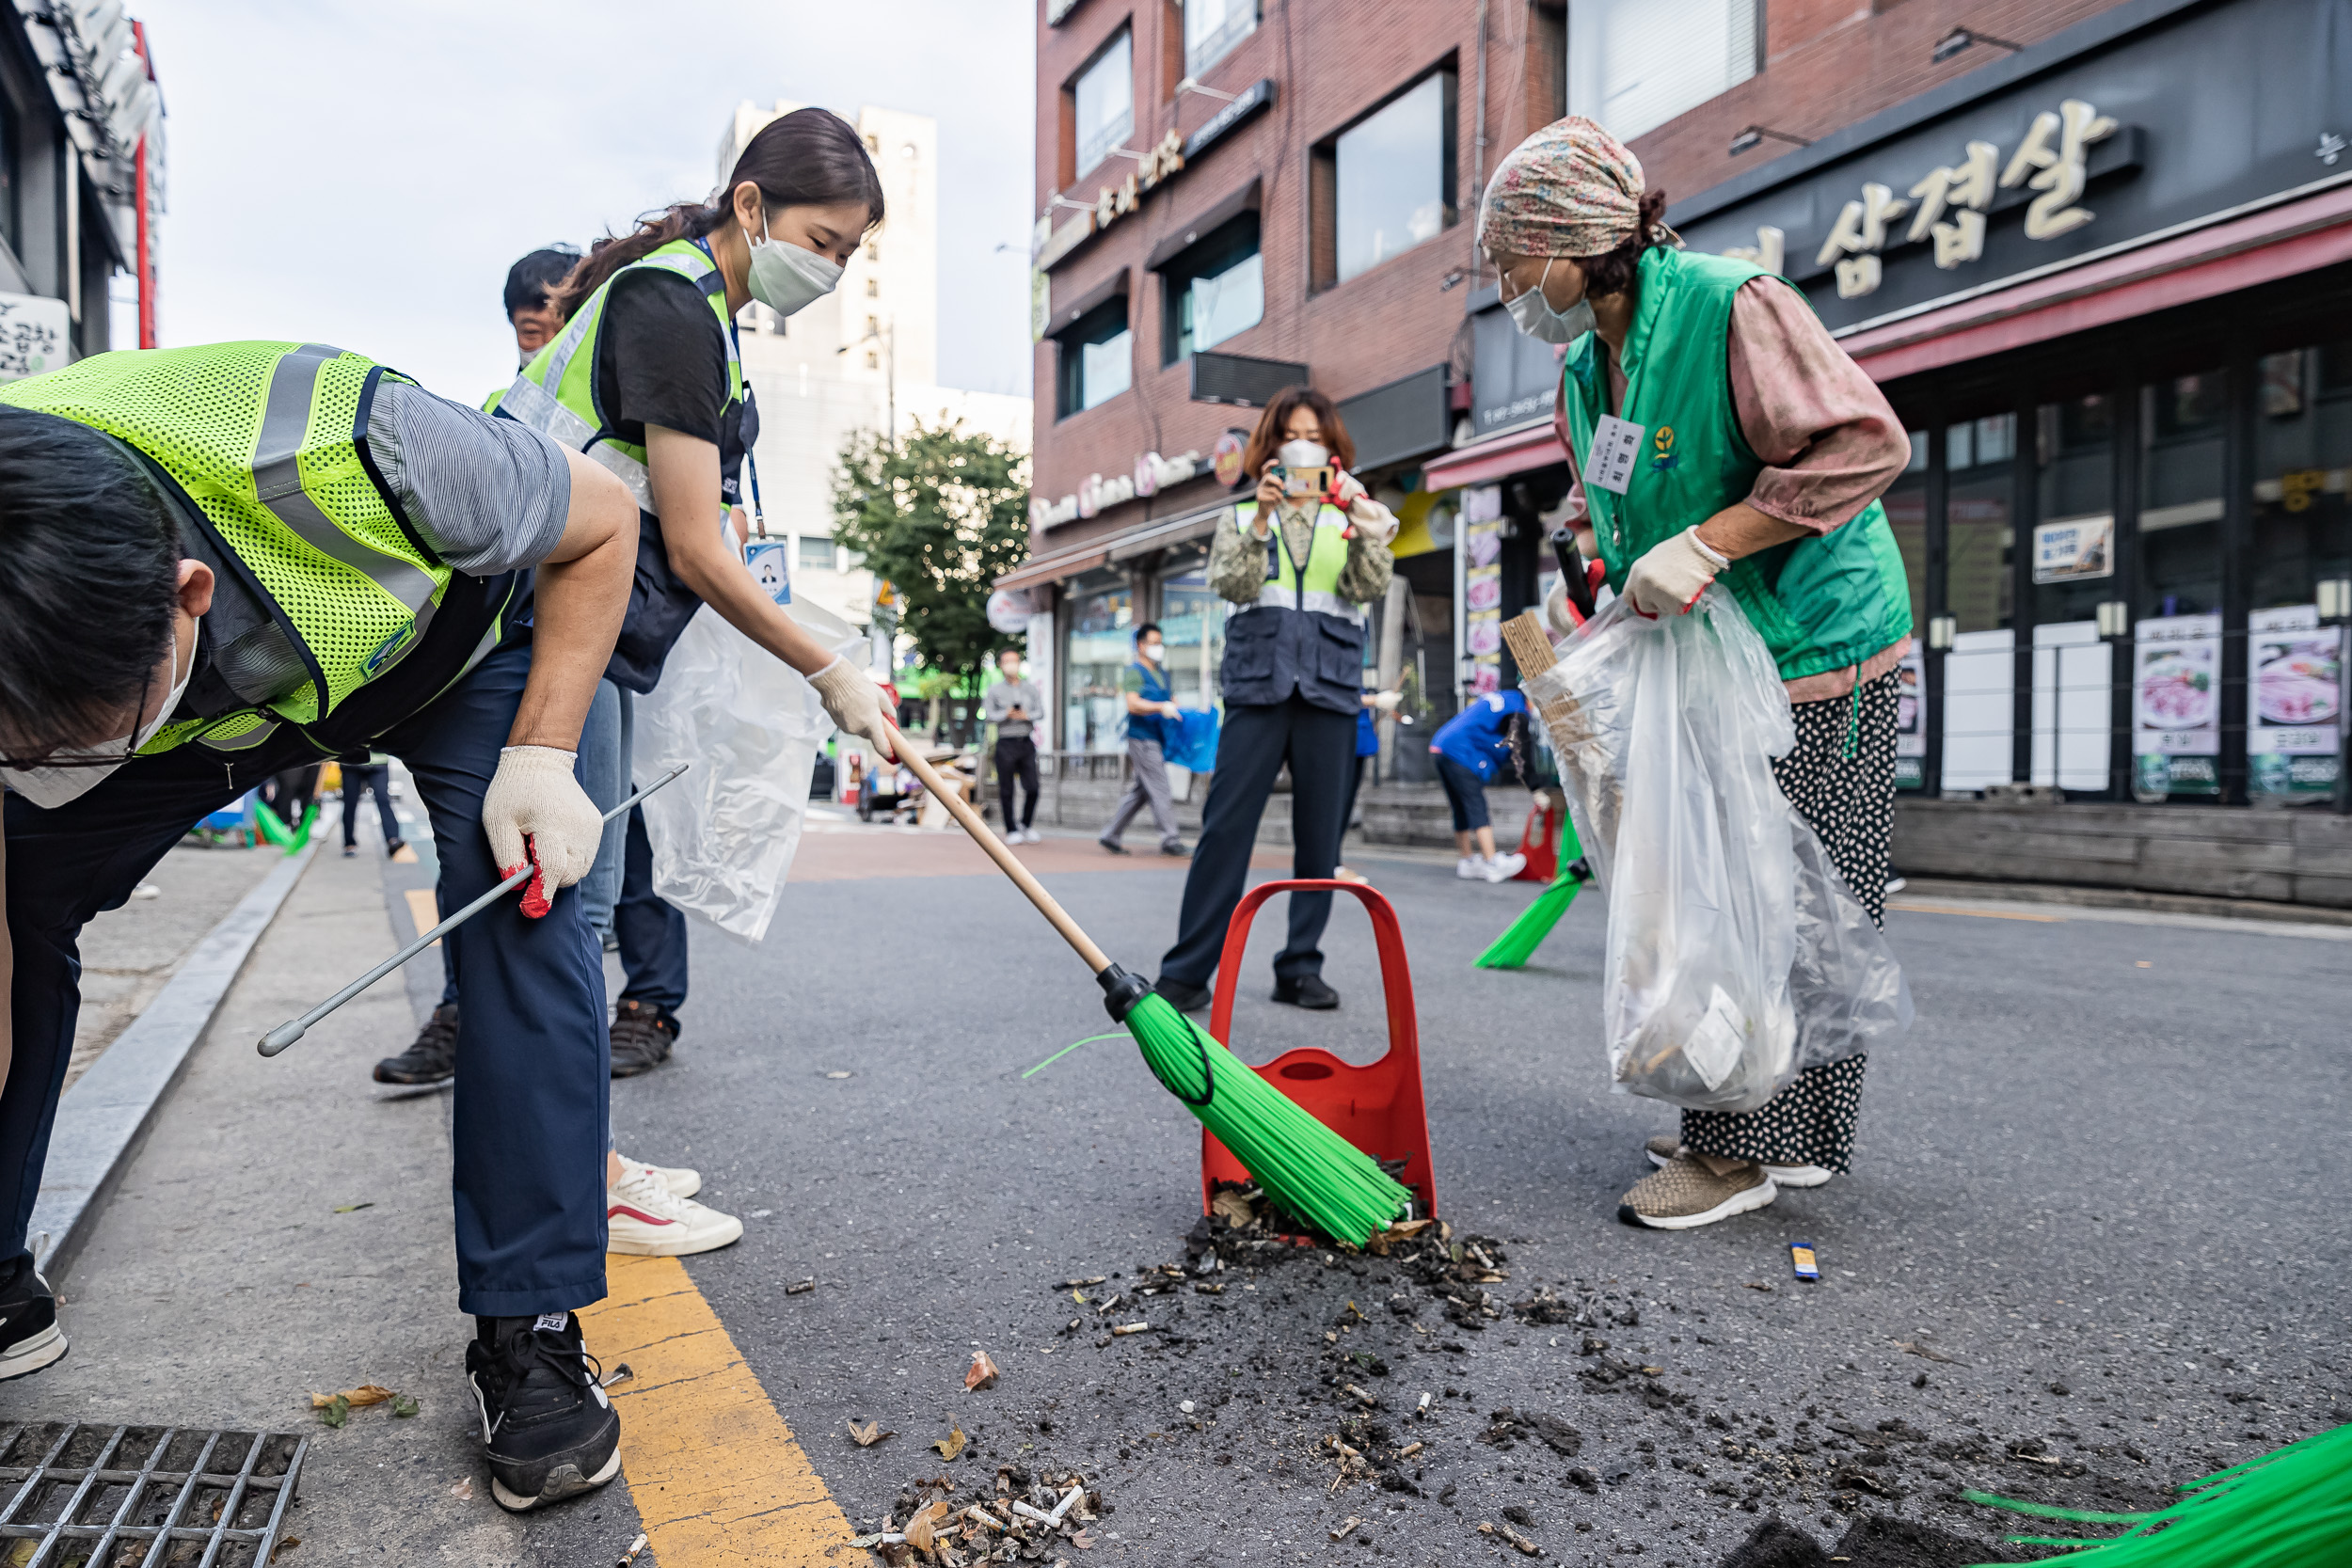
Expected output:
(1801, 1258)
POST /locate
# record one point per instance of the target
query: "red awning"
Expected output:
(1053, 567)
(1495, 457)
(2221, 258)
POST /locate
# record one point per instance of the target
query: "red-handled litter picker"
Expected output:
(295, 1028)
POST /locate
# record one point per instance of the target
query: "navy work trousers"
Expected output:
(1256, 739)
(530, 1113)
(652, 929)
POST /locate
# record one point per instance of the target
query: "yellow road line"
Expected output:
(424, 909)
(1915, 908)
(717, 1477)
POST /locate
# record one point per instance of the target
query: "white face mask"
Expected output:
(789, 278)
(1533, 314)
(1151, 651)
(1303, 454)
(52, 788)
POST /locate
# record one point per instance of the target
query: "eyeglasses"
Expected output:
(130, 747)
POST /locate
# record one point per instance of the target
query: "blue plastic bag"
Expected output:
(1193, 744)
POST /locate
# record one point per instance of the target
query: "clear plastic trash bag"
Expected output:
(749, 725)
(1736, 956)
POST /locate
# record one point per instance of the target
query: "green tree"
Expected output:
(939, 515)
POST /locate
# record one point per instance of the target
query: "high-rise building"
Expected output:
(863, 357)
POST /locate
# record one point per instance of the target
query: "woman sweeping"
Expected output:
(1757, 454)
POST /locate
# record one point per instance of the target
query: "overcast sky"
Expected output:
(363, 174)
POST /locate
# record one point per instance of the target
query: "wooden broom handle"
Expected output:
(1006, 861)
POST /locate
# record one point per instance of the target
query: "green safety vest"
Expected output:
(1820, 603)
(1318, 588)
(556, 393)
(266, 445)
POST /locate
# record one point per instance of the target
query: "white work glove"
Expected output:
(1386, 701)
(535, 810)
(1672, 574)
(1365, 516)
(853, 703)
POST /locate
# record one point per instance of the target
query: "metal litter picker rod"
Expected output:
(295, 1028)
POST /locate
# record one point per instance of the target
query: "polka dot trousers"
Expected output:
(1850, 800)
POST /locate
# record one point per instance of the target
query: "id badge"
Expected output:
(770, 569)
(1616, 446)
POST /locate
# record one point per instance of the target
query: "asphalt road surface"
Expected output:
(2091, 1246)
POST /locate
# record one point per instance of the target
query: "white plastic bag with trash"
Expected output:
(1736, 956)
(749, 724)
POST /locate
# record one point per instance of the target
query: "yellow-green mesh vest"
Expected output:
(557, 394)
(1327, 557)
(1822, 603)
(269, 443)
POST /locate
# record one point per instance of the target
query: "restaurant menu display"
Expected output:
(2176, 706)
(1910, 719)
(2293, 733)
(1482, 586)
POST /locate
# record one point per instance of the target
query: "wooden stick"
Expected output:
(1023, 878)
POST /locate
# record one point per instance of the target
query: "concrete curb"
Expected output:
(105, 1116)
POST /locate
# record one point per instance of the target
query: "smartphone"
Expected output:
(1303, 481)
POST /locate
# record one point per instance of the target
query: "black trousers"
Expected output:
(359, 778)
(1016, 758)
(1257, 739)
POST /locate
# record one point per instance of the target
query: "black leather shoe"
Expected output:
(1183, 998)
(1114, 848)
(433, 1059)
(1307, 991)
(549, 1429)
(642, 1038)
(1177, 852)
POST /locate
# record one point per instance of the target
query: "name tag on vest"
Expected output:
(1616, 446)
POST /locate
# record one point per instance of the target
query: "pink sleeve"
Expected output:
(1830, 441)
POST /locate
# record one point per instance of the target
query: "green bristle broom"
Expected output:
(2291, 1508)
(1303, 1166)
(1518, 945)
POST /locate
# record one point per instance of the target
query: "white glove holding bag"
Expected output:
(535, 810)
(1672, 574)
(853, 703)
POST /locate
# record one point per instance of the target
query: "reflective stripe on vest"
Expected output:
(550, 398)
(1327, 557)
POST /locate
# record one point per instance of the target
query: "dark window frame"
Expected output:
(1323, 176)
(1116, 315)
(1232, 241)
(1072, 153)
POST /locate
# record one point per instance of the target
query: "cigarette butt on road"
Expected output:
(634, 1547)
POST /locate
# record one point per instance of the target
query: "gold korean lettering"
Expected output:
(2061, 166)
(1770, 251)
(1862, 225)
(1858, 275)
(1968, 184)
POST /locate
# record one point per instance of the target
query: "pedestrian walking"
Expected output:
(209, 575)
(1152, 715)
(364, 771)
(646, 379)
(1762, 452)
(1299, 563)
(1469, 748)
(1013, 706)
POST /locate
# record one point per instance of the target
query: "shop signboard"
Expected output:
(2294, 730)
(34, 330)
(1517, 377)
(2176, 706)
(1911, 720)
(2103, 134)
(1482, 586)
(2074, 549)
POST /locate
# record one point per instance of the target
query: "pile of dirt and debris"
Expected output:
(1031, 1512)
(1875, 1542)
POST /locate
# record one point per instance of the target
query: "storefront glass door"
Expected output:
(2177, 670)
(1102, 646)
(2302, 516)
(2073, 572)
(1980, 672)
(1192, 624)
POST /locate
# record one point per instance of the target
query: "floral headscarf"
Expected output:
(1571, 189)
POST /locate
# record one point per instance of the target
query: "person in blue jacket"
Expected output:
(1469, 747)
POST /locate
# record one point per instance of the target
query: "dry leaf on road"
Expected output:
(1235, 1210)
(462, 1491)
(953, 1443)
(921, 1530)
(867, 1433)
(982, 1374)
(357, 1399)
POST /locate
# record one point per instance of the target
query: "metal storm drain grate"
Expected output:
(141, 1496)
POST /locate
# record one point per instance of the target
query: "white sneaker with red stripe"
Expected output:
(645, 1219)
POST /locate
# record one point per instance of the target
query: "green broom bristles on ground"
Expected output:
(273, 826)
(1518, 945)
(1303, 1166)
(2287, 1509)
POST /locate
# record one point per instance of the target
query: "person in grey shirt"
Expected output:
(1015, 706)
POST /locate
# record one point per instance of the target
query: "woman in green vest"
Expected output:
(646, 379)
(1716, 433)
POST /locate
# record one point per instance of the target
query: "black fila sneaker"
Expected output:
(30, 1337)
(548, 1430)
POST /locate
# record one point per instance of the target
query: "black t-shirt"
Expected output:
(661, 358)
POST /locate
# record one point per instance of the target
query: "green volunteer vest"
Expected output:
(1318, 587)
(267, 443)
(1820, 603)
(556, 393)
